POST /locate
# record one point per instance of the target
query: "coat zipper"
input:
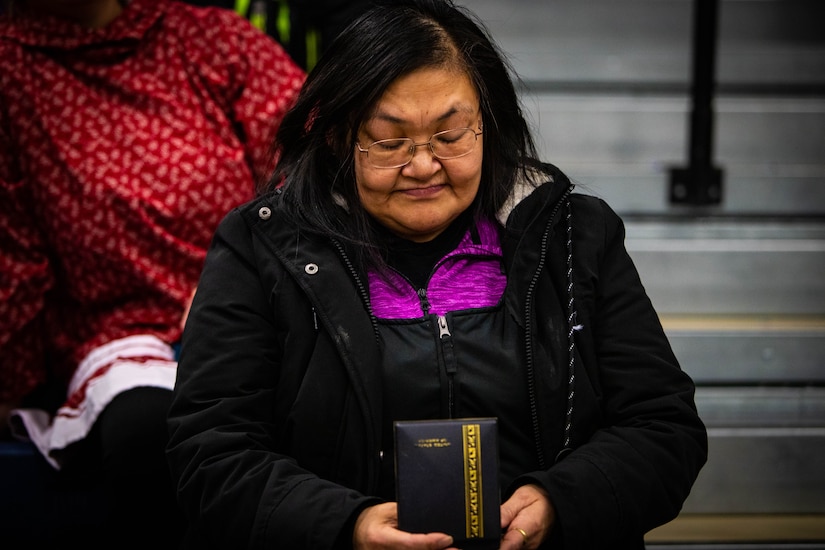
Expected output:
(445, 340)
(528, 322)
(364, 293)
(445, 337)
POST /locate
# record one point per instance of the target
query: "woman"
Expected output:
(408, 217)
(127, 130)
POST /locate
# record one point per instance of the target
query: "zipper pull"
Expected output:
(446, 337)
(443, 329)
(425, 302)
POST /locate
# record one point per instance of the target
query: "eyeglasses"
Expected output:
(398, 152)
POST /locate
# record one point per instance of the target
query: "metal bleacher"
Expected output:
(739, 283)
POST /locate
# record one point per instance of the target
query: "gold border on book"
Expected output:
(471, 442)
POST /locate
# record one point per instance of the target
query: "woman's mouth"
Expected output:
(424, 192)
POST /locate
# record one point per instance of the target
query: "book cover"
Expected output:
(447, 479)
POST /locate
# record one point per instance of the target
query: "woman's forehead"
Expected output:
(432, 94)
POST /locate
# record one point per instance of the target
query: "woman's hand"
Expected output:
(526, 518)
(377, 528)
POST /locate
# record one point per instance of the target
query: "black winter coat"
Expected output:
(276, 423)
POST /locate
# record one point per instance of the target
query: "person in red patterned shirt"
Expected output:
(127, 130)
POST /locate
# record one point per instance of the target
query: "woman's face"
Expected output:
(419, 200)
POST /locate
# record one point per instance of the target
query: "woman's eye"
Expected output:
(450, 136)
(390, 144)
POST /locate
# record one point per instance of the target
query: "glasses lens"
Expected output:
(390, 153)
(453, 143)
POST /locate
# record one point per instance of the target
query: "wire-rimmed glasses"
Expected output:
(398, 152)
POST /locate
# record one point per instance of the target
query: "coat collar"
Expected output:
(338, 304)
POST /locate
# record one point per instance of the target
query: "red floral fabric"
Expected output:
(120, 151)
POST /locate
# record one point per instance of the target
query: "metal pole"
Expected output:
(701, 183)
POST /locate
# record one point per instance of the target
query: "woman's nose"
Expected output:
(423, 160)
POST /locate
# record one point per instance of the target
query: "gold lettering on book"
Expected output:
(432, 442)
(472, 481)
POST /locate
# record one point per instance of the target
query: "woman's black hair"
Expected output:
(316, 138)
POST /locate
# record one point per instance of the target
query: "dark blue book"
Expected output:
(447, 479)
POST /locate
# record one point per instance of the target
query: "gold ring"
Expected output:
(523, 534)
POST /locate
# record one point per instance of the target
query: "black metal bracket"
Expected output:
(700, 183)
